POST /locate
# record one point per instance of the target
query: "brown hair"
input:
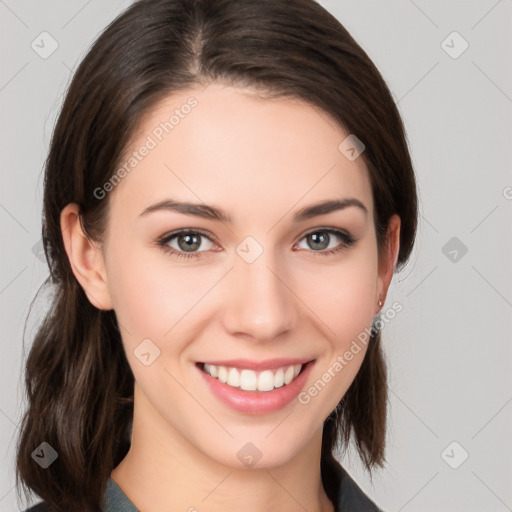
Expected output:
(79, 384)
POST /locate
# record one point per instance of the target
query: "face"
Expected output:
(272, 283)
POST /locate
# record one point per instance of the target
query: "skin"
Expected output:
(260, 160)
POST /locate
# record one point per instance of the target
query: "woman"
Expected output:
(227, 195)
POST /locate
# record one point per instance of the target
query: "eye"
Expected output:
(322, 239)
(186, 243)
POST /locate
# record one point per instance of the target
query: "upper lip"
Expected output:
(267, 364)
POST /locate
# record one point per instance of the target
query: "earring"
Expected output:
(380, 303)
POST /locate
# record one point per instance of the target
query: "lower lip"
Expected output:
(257, 402)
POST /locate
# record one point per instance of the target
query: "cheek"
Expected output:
(343, 301)
(140, 294)
(153, 297)
(343, 295)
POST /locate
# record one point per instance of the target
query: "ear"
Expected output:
(388, 260)
(85, 257)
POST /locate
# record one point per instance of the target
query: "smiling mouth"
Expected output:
(251, 380)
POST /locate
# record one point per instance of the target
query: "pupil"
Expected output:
(191, 242)
(321, 239)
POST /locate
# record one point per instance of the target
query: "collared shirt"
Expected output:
(352, 499)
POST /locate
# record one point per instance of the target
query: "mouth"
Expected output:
(246, 379)
(266, 390)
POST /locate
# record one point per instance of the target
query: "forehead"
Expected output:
(229, 147)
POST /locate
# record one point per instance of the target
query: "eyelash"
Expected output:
(347, 241)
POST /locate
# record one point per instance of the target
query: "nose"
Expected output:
(259, 302)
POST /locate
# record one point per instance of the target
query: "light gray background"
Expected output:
(449, 350)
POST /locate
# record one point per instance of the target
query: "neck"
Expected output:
(164, 471)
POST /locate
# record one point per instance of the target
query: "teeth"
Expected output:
(249, 380)
(212, 370)
(279, 378)
(266, 381)
(233, 378)
(222, 374)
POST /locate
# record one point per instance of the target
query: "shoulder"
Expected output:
(113, 499)
(351, 497)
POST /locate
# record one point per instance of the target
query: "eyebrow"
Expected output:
(218, 214)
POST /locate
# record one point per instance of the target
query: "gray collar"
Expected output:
(351, 498)
(115, 500)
